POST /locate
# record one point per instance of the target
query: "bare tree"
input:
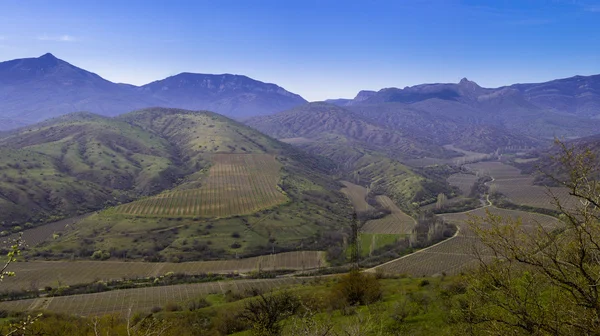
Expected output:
(543, 279)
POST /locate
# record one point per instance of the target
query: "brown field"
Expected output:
(237, 184)
(357, 195)
(463, 181)
(468, 156)
(38, 274)
(456, 254)
(142, 299)
(35, 236)
(519, 188)
(396, 223)
(296, 141)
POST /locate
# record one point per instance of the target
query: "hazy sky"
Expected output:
(318, 49)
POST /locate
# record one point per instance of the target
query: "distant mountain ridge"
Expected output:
(35, 89)
(567, 107)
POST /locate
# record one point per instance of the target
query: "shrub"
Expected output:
(172, 307)
(198, 303)
(356, 288)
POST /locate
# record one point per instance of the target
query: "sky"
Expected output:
(319, 49)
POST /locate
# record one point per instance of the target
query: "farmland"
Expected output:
(370, 242)
(455, 254)
(464, 182)
(35, 236)
(39, 274)
(396, 223)
(237, 184)
(519, 188)
(357, 195)
(142, 299)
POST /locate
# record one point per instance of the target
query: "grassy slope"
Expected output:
(364, 153)
(315, 204)
(76, 164)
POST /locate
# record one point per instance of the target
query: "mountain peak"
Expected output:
(465, 81)
(47, 56)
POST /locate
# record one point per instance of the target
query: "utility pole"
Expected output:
(355, 251)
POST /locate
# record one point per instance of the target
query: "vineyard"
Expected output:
(396, 223)
(456, 254)
(142, 299)
(464, 182)
(39, 274)
(237, 184)
(35, 236)
(357, 195)
(519, 188)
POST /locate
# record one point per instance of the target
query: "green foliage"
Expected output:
(357, 288)
(267, 311)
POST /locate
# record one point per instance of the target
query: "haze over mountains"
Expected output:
(35, 89)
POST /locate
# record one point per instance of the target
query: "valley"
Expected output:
(130, 209)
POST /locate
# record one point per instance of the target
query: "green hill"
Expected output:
(363, 152)
(174, 184)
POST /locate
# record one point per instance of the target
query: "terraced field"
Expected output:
(456, 254)
(237, 184)
(464, 182)
(397, 222)
(142, 299)
(38, 274)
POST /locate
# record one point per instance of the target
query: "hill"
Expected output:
(209, 171)
(35, 89)
(366, 154)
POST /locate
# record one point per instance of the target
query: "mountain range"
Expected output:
(567, 107)
(35, 89)
(464, 113)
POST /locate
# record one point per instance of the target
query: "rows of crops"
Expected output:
(35, 236)
(458, 253)
(237, 184)
(464, 182)
(397, 222)
(38, 274)
(535, 196)
(357, 195)
(142, 299)
(519, 188)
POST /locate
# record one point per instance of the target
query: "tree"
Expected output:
(267, 311)
(542, 279)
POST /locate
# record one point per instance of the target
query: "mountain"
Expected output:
(35, 89)
(565, 107)
(579, 95)
(365, 153)
(233, 95)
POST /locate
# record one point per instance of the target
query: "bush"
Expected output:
(172, 307)
(266, 312)
(198, 303)
(356, 288)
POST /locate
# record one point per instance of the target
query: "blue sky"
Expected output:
(319, 49)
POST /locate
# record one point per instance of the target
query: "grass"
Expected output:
(370, 242)
(226, 190)
(237, 184)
